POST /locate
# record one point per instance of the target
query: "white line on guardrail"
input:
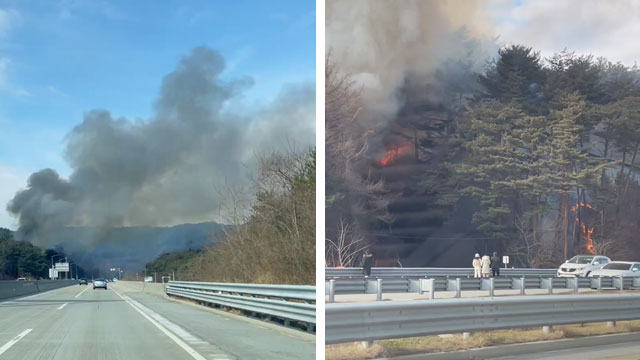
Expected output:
(13, 341)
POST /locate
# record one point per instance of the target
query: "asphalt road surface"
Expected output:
(78, 322)
(625, 351)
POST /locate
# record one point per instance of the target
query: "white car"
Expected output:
(618, 268)
(582, 265)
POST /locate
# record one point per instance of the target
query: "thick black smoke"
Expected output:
(169, 169)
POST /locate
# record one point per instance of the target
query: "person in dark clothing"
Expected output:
(495, 264)
(367, 262)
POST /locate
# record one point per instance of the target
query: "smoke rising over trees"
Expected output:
(274, 243)
(168, 169)
(482, 148)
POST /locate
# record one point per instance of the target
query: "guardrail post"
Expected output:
(332, 290)
(366, 344)
(458, 287)
(615, 281)
(600, 284)
(621, 283)
(522, 286)
(492, 286)
(574, 284)
(379, 291)
(550, 285)
(636, 282)
(432, 288)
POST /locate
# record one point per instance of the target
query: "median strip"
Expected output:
(13, 341)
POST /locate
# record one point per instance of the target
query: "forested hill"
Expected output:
(531, 157)
(133, 247)
(99, 249)
(21, 259)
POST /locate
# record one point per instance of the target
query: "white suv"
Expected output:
(582, 265)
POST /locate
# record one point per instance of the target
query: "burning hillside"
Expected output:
(457, 147)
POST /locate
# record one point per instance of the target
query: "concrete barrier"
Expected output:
(10, 289)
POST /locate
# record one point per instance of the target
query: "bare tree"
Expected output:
(353, 196)
(346, 249)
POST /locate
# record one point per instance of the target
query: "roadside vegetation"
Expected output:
(274, 243)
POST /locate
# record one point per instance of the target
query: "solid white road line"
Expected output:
(12, 342)
(80, 293)
(194, 354)
(62, 306)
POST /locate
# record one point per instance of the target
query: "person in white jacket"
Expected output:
(486, 266)
(477, 266)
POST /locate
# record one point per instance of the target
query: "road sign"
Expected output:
(505, 261)
(62, 267)
(148, 279)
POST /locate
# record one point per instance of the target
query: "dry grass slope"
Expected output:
(432, 344)
(275, 244)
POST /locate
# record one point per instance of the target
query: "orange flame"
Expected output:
(392, 154)
(585, 232)
(575, 207)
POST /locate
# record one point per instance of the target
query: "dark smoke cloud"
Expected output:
(171, 168)
(380, 43)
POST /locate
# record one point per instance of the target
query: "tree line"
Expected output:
(21, 259)
(546, 148)
(273, 243)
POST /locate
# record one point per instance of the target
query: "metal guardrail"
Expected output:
(408, 272)
(398, 319)
(379, 286)
(287, 302)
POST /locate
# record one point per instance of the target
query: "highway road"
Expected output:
(78, 322)
(626, 351)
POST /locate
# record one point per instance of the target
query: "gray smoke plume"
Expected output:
(379, 43)
(169, 169)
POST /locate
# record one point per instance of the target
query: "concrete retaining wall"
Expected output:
(9, 289)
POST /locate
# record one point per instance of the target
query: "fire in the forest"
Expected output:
(392, 154)
(585, 232)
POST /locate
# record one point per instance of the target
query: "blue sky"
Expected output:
(60, 59)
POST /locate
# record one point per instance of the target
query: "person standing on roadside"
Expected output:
(495, 265)
(367, 263)
(477, 266)
(486, 263)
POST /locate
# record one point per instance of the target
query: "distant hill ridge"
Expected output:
(132, 247)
